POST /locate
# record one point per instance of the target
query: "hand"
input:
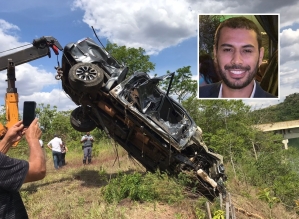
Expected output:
(15, 133)
(33, 131)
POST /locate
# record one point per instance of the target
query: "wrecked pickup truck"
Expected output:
(142, 118)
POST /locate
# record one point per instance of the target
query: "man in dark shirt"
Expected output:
(238, 53)
(15, 172)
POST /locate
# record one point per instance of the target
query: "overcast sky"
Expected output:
(167, 30)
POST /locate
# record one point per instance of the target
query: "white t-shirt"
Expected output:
(55, 143)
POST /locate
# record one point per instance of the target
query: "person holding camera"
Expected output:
(87, 141)
(14, 172)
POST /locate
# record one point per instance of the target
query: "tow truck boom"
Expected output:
(40, 48)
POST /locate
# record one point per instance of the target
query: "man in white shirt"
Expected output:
(55, 145)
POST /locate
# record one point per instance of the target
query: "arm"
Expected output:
(63, 143)
(13, 135)
(37, 161)
(49, 145)
(83, 139)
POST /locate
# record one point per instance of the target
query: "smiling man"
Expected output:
(238, 52)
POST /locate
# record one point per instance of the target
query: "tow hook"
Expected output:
(59, 73)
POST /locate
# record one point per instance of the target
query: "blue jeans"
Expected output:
(57, 159)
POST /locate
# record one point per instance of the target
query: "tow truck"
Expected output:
(41, 47)
(134, 111)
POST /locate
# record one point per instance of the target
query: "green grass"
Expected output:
(115, 187)
(143, 187)
(96, 190)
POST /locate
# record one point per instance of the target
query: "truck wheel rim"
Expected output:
(86, 73)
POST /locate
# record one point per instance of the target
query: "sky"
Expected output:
(166, 29)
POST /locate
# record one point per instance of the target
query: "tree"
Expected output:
(3, 115)
(228, 126)
(46, 116)
(206, 31)
(285, 111)
(133, 58)
(62, 126)
(182, 84)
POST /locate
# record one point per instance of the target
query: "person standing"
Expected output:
(15, 172)
(55, 145)
(63, 153)
(87, 141)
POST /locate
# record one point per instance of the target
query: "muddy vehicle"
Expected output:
(152, 127)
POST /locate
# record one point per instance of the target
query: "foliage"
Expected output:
(285, 111)
(124, 186)
(271, 170)
(257, 157)
(219, 214)
(225, 124)
(138, 187)
(206, 31)
(133, 58)
(53, 122)
(289, 110)
(182, 84)
(46, 115)
(3, 115)
(100, 134)
(227, 128)
(267, 196)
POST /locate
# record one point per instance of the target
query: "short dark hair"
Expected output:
(238, 23)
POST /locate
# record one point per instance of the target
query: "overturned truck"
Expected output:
(151, 126)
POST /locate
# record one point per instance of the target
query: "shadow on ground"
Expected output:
(93, 178)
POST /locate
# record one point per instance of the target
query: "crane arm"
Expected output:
(40, 48)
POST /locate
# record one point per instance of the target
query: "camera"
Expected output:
(28, 112)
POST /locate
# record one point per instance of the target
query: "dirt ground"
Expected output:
(155, 210)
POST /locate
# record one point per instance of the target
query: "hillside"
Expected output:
(285, 111)
(75, 191)
(263, 178)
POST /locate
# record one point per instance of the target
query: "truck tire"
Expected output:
(86, 77)
(81, 122)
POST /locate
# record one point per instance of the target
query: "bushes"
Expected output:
(273, 171)
(139, 187)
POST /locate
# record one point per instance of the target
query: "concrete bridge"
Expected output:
(288, 129)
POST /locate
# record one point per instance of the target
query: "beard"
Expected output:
(237, 84)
